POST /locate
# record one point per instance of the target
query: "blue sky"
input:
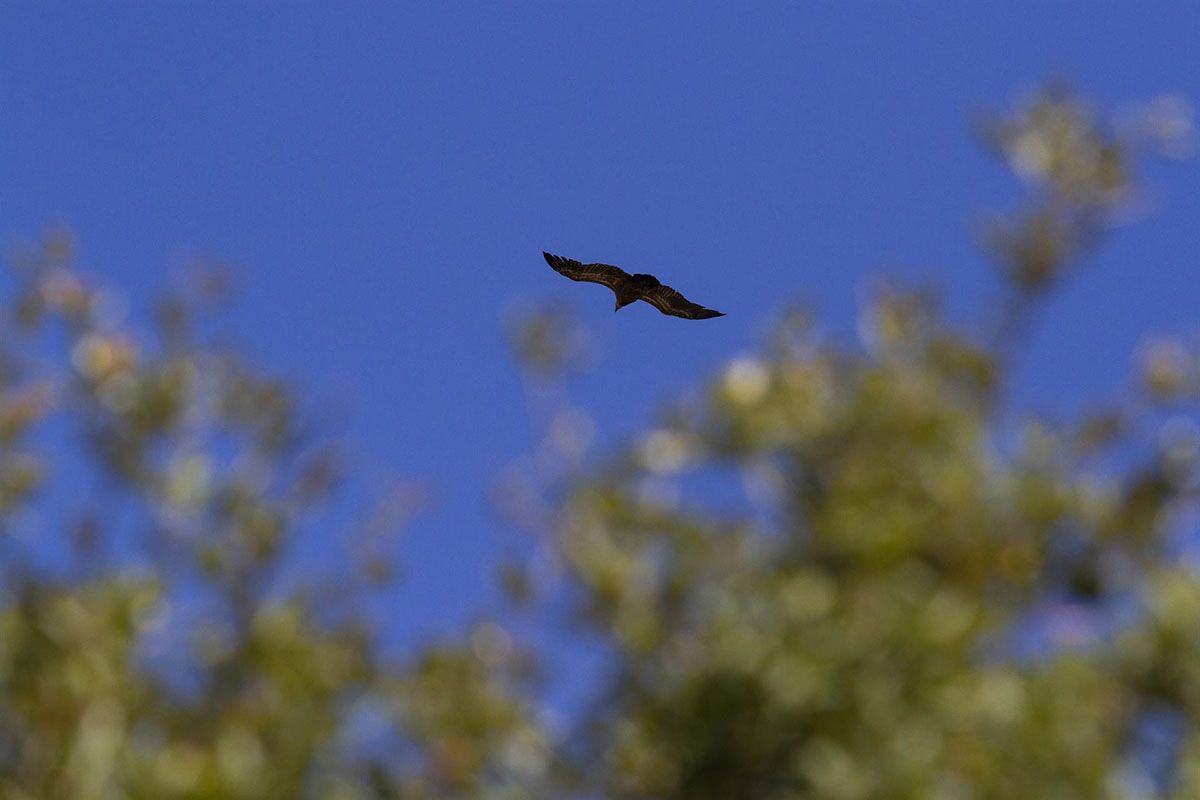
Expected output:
(382, 179)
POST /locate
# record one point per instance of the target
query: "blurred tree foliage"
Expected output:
(156, 639)
(917, 593)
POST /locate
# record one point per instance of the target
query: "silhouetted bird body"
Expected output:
(631, 288)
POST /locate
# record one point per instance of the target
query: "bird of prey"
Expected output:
(630, 288)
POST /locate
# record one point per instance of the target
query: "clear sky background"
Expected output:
(382, 179)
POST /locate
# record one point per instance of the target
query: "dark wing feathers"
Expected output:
(664, 298)
(606, 274)
(671, 302)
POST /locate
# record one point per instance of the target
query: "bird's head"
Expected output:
(621, 304)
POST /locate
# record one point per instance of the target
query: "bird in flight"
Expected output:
(630, 288)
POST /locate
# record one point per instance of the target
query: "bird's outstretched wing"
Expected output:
(610, 276)
(671, 302)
